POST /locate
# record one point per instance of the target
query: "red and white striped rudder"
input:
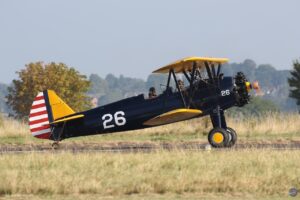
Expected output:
(39, 118)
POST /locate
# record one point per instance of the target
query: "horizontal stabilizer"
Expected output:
(173, 116)
(68, 119)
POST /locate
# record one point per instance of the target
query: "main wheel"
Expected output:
(232, 137)
(218, 137)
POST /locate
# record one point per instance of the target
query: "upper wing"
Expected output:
(187, 64)
(173, 116)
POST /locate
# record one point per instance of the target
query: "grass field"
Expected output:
(228, 174)
(142, 197)
(159, 175)
(271, 127)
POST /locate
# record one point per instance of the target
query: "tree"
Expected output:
(294, 82)
(113, 96)
(3, 93)
(68, 83)
(257, 107)
(265, 74)
(99, 86)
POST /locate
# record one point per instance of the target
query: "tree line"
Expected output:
(280, 88)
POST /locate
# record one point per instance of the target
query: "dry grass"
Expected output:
(271, 124)
(157, 175)
(274, 126)
(14, 132)
(168, 196)
(12, 127)
(258, 173)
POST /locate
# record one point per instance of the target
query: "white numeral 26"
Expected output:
(120, 120)
(225, 92)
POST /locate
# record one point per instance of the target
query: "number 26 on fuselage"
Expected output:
(113, 120)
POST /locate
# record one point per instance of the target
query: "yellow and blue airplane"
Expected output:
(208, 92)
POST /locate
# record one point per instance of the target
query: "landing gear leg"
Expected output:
(221, 135)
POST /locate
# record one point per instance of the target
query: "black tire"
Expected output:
(218, 137)
(232, 137)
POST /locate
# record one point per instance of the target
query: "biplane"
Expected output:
(208, 92)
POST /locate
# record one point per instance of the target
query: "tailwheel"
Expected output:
(218, 137)
(55, 145)
(232, 137)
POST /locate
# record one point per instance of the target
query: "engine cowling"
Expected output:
(242, 89)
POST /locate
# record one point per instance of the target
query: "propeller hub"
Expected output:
(248, 86)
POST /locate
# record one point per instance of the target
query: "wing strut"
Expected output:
(213, 70)
(169, 79)
(219, 69)
(187, 76)
(208, 71)
(180, 92)
(193, 75)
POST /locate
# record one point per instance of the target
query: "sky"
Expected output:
(135, 37)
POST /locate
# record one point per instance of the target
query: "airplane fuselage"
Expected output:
(131, 113)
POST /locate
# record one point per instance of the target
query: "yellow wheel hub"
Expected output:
(218, 137)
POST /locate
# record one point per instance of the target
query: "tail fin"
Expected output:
(46, 108)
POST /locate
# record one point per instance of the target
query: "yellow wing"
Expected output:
(187, 64)
(173, 116)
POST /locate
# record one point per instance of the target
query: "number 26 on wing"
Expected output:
(110, 121)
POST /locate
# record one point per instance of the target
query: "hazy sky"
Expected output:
(134, 37)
